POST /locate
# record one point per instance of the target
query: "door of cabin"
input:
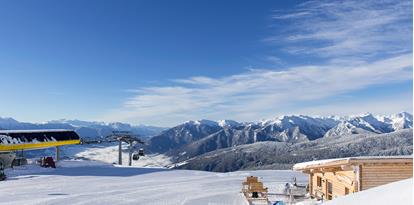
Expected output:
(329, 190)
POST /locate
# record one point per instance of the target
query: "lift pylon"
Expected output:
(130, 139)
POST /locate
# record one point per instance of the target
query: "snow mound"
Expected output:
(394, 193)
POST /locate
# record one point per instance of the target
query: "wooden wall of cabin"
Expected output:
(340, 180)
(373, 175)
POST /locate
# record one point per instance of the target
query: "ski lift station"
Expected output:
(14, 141)
(332, 178)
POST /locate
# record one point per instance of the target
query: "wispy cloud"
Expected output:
(377, 105)
(347, 28)
(364, 43)
(255, 94)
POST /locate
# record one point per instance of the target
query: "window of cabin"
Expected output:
(319, 181)
(346, 190)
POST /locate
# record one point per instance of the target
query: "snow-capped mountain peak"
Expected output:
(401, 120)
(228, 123)
(368, 123)
(201, 122)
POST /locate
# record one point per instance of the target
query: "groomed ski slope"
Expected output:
(96, 183)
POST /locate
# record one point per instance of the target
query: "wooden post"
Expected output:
(120, 153)
(310, 186)
(357, 179)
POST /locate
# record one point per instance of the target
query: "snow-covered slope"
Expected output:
(194, 138)
(204, 135)
(281, 155)
(346, 128)
(182, 134)
(312, 127)
(394, 193)
(103, 152)
(398, 121)
(89, 183)
(228, 123)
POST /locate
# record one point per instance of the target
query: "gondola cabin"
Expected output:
(338, 177)
(141, 152)
(17, 140)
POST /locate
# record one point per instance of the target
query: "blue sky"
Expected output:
(165, 62)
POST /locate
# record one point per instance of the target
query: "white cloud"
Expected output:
(255, 94)
(347, 28)
(378, 105)
(363, 43)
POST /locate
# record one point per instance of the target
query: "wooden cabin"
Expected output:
(338, 177)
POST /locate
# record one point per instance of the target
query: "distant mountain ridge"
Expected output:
(283, 155)
(201, 136)
(369, 123)
(86, 129)
(280, 142)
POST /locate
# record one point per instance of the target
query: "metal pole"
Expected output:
(57, 153)
(130, 154)
(120, 153)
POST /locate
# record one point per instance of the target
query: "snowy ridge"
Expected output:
(228, 123)
(368, 123)
(282, 155)
(200, 136)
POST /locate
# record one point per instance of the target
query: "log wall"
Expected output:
(373, 175)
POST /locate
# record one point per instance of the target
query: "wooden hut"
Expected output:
(338, 177)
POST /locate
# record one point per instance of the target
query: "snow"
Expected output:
(394, 193)
(5, 139)
(227, 123)
(305, 165)
(202, 122)
(108, 153)
(88, 182)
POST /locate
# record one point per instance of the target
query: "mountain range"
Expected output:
(283, 155)
(194, 144)
(206, 135)
(87, 130)
(227, 145)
